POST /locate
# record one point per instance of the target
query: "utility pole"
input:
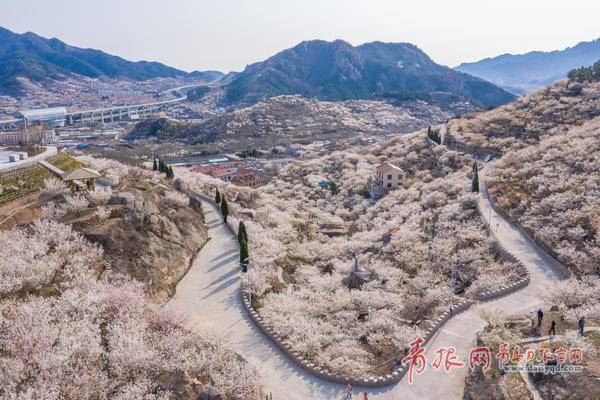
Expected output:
(26, 133)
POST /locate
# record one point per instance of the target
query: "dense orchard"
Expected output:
(298, 271)
(553, 191)
(69, 329)
(527, 120)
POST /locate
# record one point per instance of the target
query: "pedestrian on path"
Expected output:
(552, 329)
(348, 393)
(581, 325)
(540, 315)
(365, 396)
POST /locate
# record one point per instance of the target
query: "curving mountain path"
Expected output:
(460, 331)
(210, 294)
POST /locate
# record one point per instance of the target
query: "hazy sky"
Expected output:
(228, 34)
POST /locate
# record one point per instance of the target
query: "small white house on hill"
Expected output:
(388, 177)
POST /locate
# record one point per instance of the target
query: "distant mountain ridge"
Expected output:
(318, 69)
(38, 59)
(533, 70)
(339, 71)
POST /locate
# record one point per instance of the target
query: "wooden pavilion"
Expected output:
(81, 178)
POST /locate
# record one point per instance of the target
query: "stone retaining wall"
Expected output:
(511, 288)
(398, 371)
(556, 265)
(505, 255)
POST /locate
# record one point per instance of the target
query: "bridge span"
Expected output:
(110, 114)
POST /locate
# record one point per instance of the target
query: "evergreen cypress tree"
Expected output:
(475, 183)
(434, 136)
(244, 255)
(154, 165)
(218, 197)
(333, 187)
(224, 209)
(242, 234)
(170, 173)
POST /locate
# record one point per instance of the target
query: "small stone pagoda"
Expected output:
(358, 277)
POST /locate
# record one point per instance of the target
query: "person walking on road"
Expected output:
(540, 315)
(348, 393)
(581, 325)
(552, 329)
(365, 396)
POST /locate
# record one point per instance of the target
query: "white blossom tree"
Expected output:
(68, 330)
(76, 203)
(53, 187)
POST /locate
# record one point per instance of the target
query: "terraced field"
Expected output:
(23, 182)
(16, 186)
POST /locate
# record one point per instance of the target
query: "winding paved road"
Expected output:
(460, 331)
(210, 294)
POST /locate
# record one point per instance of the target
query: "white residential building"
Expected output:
(388, 177)
(35, 135)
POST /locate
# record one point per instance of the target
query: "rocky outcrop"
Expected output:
(149, 239)
(210, 393)
(556, 386)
